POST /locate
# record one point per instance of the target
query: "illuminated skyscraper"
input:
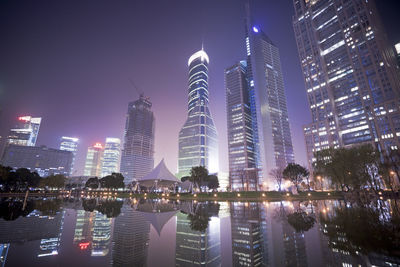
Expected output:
(248, 247)
(94, 158)
(197, 248)
(198, 144)
(3, 253)
(397, 48)
(83, 228)
(101, 235)
(130, 238)
(26, 131)
(45, 161)
(137, 158)
(350, 75)
(50, 246)
(111, 158)
(70, 144)
(243, 174)
(270, 123)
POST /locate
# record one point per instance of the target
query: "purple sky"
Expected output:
(69, 62)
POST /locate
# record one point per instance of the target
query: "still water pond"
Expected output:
(130, 232)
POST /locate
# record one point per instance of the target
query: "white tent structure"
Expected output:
(159, 177)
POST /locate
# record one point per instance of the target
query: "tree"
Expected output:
(185, 178)
(53, 181)
(300, 221)
(389, 170)
(199, 175)
(92, 183)
(115, 180)
(110, 208)
(277, 173)
(213, 182)
(349, 168)
(48, 206)
(295, 173)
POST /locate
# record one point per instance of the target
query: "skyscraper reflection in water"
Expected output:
(248, 243)
(197, 248)
(130, 238)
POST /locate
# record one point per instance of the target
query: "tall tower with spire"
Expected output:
(198, 145)
(270, 123)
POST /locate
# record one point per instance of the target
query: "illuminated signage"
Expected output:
(84, 246)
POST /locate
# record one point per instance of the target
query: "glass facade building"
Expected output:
(111, 158)
(25, 132)
(70, 144)
(45, 161)
(350, 75)
(137, 158)
(243, 174)
(198, 144)
(262, 141)
(197, 248)
(94, 159)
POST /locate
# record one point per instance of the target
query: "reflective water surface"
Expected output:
(130, 232)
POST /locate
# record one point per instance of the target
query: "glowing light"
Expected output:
(238, 195)
(84, 246)
(255, 29)
(195, 195)
(215, 195)
(24, 118)
(98, 145)
(199, 54)
(287, 194)
(263, 195)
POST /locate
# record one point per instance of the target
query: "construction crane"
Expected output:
(141, 94)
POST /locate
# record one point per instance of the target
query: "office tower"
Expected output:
(83, 228)
(94, 158)
(50, 246)
(247, 234)
(397, 48)
(137, 158)
(243, 173)
(130, 240)
(3, 253)
(350, 75)
(198, 144)
(273, 142)
(20, 230)
(101, 234)
(25, 132)
(197, 248)
(45, 161)
(112, 152)
(70, 144)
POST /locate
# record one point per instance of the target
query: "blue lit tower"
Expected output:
(272, 136)
(198, 144)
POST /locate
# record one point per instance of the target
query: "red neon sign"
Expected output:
(98, 145)
(23, 118)
(84, 246)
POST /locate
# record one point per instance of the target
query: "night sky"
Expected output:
(70, 62)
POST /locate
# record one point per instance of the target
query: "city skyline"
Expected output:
(94, 122)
